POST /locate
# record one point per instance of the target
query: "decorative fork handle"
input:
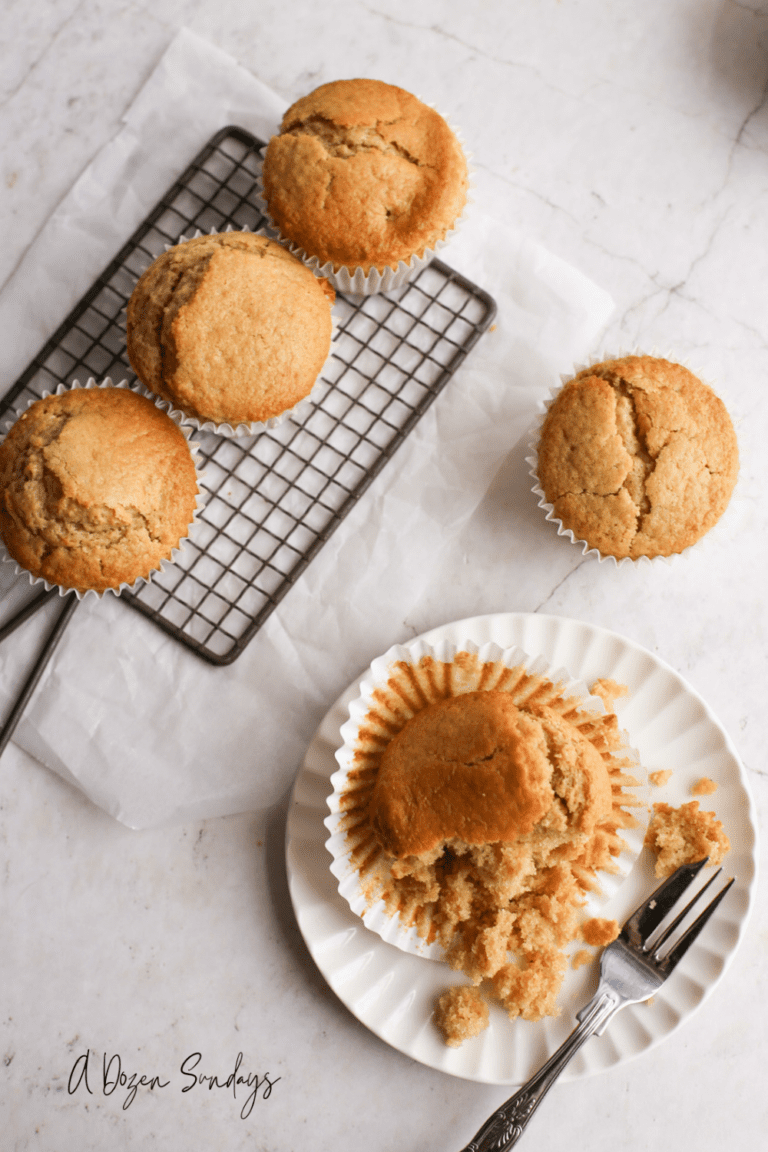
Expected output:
(504, 1128)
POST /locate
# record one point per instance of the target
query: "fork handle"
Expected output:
(504, 1128)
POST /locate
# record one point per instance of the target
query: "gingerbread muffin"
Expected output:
(478, 804)
(479, 770)
(97, 487)
(229, 328)
(364, 175)
(637, 457)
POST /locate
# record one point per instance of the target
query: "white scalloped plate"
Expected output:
(392, 993)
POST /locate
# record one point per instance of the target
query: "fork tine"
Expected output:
(671, 928)
(645, 919)
(673, 958)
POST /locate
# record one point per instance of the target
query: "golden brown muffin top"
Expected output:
(478, 769)
(638, 457)
(230, 328)
(364, 175)
(97, 486)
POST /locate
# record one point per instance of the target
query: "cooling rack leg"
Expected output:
(25, 613)
(50, 645)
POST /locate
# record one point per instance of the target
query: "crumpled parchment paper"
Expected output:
(146, 729)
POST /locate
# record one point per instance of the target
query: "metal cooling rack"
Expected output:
(272, 500)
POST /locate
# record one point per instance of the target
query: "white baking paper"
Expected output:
(145, 728)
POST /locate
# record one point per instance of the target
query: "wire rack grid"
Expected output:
(271, 500)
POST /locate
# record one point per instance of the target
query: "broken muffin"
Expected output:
(481, 804)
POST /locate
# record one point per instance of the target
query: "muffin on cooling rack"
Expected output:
(637, 457)
(364, 177)
(97, 486)
(229, 328)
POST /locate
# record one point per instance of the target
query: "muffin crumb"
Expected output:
(582, 957)
(609, 692)
(461, 1014)
(684, 835)
(704, 787)
(599, 931)
(660, 778)
(528, 988)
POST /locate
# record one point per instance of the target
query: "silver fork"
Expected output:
(632, 969)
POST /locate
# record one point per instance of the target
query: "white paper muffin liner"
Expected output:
(355, 281)
(532, 459)
(178, 419)
(254, 427)
(361, 893)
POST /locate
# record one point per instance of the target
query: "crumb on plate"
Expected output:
(609, 692)
(704, 787)
(461, 1014)
(599, 931)
(684, 835)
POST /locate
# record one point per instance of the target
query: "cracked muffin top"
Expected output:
(229, 328)
(364, 175)
(97, 486)
(638, 457)
(476, 768)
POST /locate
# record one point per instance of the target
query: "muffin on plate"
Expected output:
(478, 769)
(97, 487)
(229, 328)
(637, 457)
(365, 176)
(479, 804)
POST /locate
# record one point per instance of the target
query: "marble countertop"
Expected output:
(630, 141)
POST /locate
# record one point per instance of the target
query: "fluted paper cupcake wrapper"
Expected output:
(346, 847)
(356, 281)
(532, 459)
(242, 428)
(178, 419)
